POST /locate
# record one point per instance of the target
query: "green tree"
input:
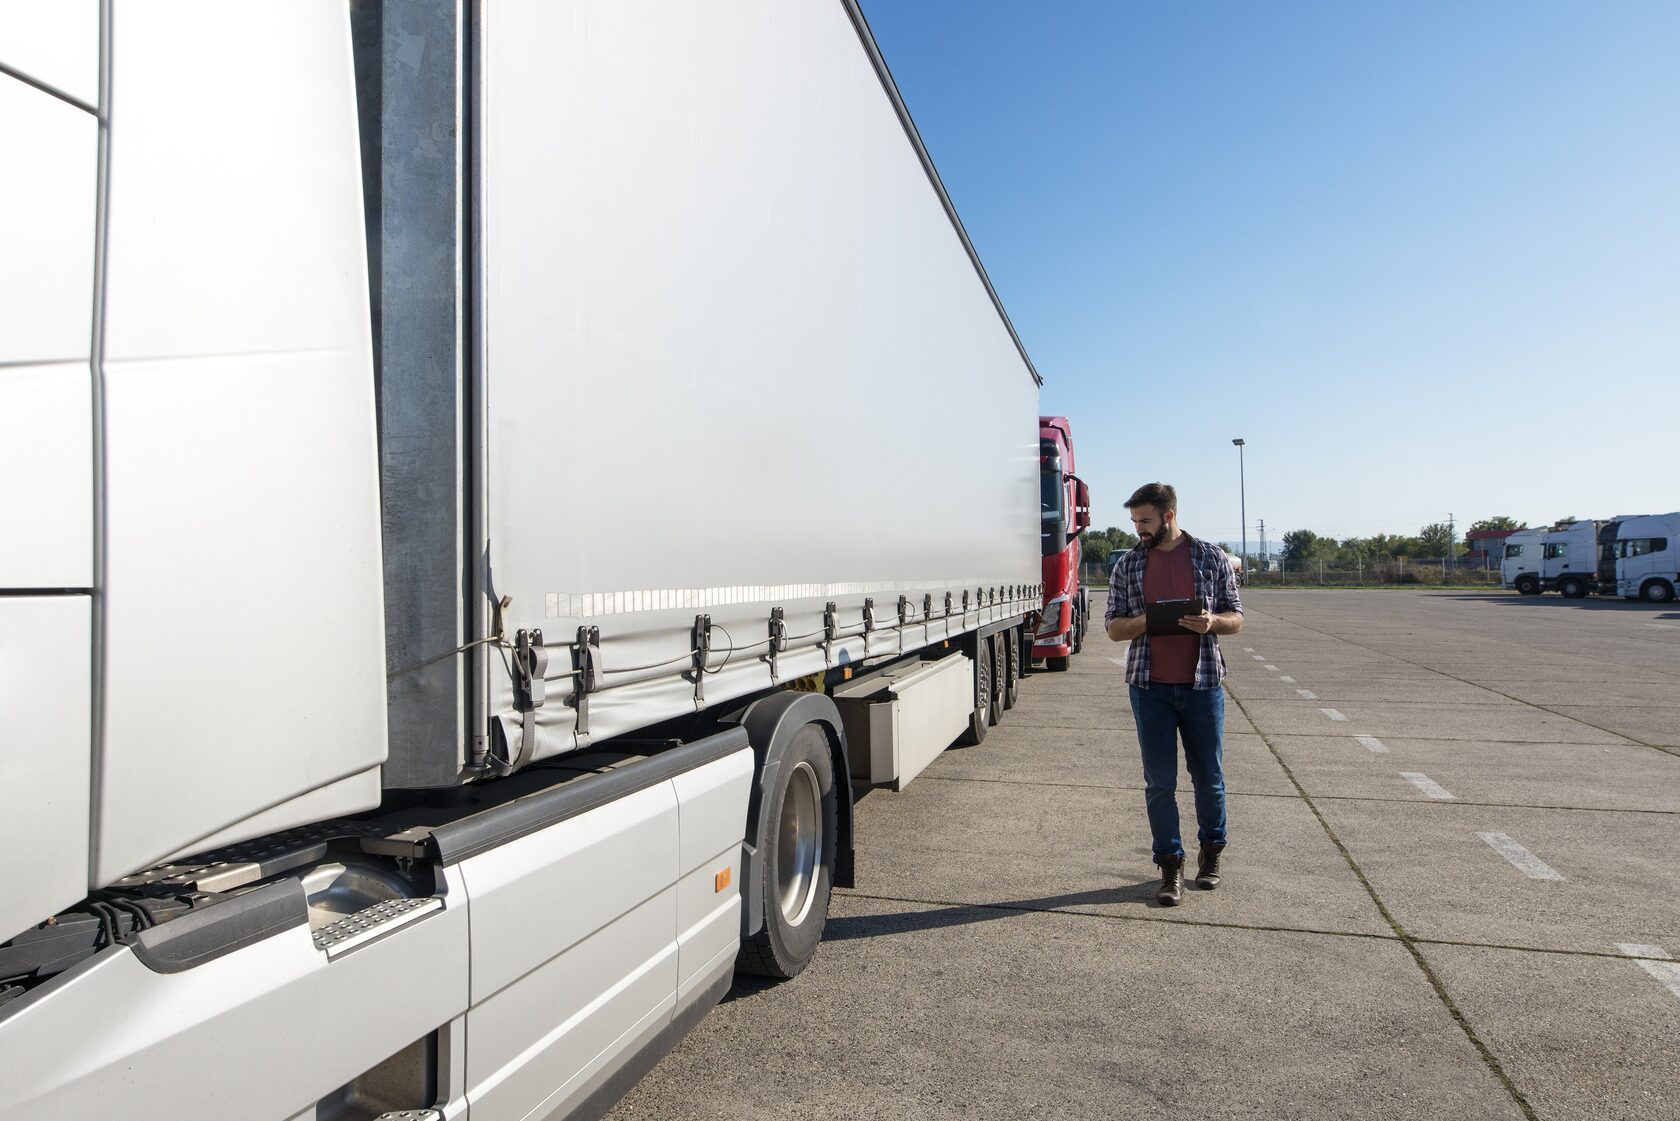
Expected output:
(1096, 544)
(1499, 522)
(1298, 545)
(1436, 540)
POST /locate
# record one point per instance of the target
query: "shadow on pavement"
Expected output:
(845, 928)
(1590, 603)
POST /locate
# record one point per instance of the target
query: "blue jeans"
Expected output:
(1164, 713)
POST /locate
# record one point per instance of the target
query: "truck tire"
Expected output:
(1081, 620)
(798, 857)
(1012, 668)
(1572, 587)
(1528, 586)
(980, 719)
(1656, 591)
(1000, 675)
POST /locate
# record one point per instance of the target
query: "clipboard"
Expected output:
(1163, 615)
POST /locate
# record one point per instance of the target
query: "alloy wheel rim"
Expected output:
(800, 844)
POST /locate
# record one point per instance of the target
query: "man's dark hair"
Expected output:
(1159, 495)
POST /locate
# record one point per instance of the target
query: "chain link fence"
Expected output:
(1375, 572)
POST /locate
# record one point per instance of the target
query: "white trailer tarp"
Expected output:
(736, 352)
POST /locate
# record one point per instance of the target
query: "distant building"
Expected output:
(1487, 546)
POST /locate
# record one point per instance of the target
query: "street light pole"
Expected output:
(1242, 500)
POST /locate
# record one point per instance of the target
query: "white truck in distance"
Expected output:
(483, 482)
(1561, 558)
(1569, 559)
(1647, 557)
(1520, 566)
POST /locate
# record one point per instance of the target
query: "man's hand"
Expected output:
(1201, 624)
(1226, 622)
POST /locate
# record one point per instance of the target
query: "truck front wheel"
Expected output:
(1528, 586)
(798, 859)
(1656, 591)
(1572, 587)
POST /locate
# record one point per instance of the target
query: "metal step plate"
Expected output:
(373, 922)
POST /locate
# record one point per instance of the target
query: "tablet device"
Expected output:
(1163, 615)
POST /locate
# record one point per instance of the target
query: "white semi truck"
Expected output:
(1645, 557)
(480, 483)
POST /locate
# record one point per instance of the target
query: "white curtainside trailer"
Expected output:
(483, 482)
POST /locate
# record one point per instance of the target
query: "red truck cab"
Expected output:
(1064, 510)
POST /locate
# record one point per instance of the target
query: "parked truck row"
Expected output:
(484, 482)
(1633, 556)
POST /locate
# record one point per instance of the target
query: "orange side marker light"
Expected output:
(720, 881)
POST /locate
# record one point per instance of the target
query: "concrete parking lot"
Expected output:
(1451, 892)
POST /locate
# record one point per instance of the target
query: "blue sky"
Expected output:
(1423, 257)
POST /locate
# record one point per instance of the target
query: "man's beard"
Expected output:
(1151, 540)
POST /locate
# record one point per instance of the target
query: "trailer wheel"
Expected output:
(798, 860)
(1656, 591)
(1572, 587)
(1528, 586)
(1012, 668)
(1000, 675)
(980, 718)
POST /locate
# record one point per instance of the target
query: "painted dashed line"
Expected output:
(1269, 666)
(1248, 649)
(1121, 662)
(1428, 785)
(1666, 971)
(1287, 680)
(1332, 714)
(1521, 859)
(1663, 626)
(1258, 658)
(1307, 694)
(1372, 743)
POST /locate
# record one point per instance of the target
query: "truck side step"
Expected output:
(373, 922)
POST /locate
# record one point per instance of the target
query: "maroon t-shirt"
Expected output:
(1169, 575)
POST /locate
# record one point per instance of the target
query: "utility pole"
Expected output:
(1264, 555)
(1242, 499)
(1452, 541)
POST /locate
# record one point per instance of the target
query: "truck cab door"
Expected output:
(49, 132)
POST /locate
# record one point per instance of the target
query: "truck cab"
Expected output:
(1647, 557)
(1569, 559)
(1520, 568)
(1064, 510)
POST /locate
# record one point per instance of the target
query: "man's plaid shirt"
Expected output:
(1216, 583)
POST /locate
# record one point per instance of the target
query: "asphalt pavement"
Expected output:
(1451, 892)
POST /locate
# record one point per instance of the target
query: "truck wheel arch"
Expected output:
(771, 724)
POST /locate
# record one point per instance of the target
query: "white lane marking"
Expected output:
(1307, 694)
(1248, 649)
(1372, 743)
(1271, 667)
(1663, 626)
(1640, 950)
(1332, 714)
(1121, 662)
(1258, 658)
(1287, 680)
(1428, 785)
(1666, 972)
(1521, 859)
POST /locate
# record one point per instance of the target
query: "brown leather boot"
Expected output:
(1172, 881)
(1207, 867)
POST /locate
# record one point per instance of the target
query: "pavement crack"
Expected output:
(1406, 940)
